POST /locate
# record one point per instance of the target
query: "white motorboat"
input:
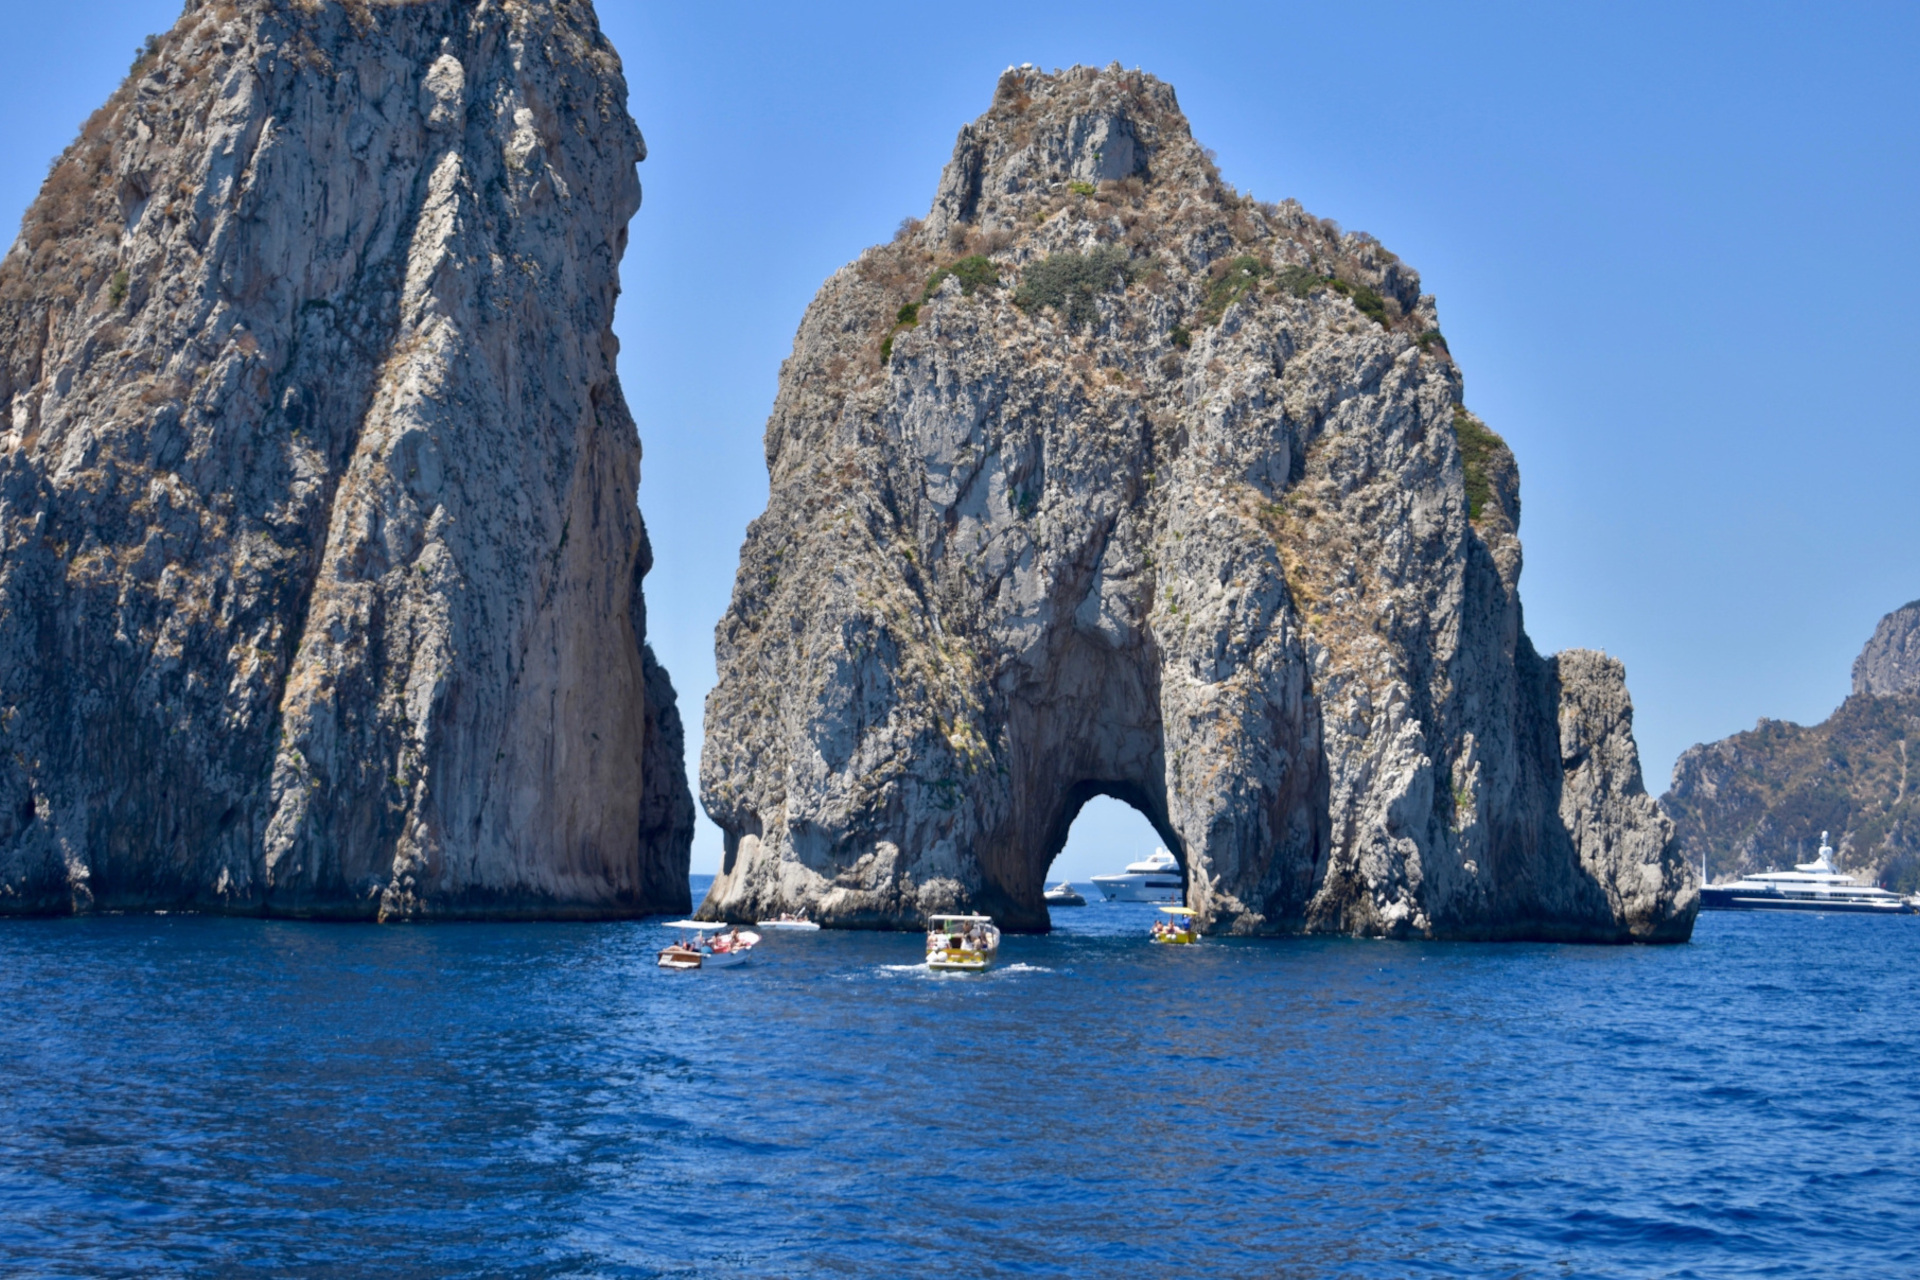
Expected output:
(966, 944)
(789, 922)
(1154, 879)
(726, 947)
(1064, 895)
(1810, 886)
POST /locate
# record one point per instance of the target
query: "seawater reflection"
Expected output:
(189, 1095)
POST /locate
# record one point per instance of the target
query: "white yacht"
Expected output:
(1154, 879)
(1810, 886)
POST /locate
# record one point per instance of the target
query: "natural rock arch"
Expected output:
(1122, 481)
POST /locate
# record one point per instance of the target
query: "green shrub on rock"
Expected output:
(1370, 303)
(1068, 282)
(1300, 281)
(975, 271)
(1230, 284)
(1479, 450)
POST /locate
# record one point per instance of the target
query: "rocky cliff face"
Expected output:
(320, 582)
(1759, 800)
(1890, 664)
(1104, 479)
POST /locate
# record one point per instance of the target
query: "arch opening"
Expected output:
(1124, 822)
(1106, 834)
(1102, 827)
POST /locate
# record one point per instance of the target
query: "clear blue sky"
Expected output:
(1674, 248)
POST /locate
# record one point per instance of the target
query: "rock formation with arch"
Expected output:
(320, 563)
(1105, 478)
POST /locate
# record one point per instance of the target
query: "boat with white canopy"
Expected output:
(963, 944)
(696, 948)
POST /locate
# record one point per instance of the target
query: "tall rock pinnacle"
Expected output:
(319, 558)
(1106, 479)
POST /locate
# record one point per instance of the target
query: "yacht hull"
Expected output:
(1720, 899)
(1136, 888)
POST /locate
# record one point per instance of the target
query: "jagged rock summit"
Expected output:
(319, 557)
(1889, 665)
(1758, 800)
(1106, 479)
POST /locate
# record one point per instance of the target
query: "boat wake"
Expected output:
(925, 972)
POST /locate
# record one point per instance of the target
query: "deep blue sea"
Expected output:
(183, 1095)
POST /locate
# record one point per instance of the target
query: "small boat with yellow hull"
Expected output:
(1177, 929)
(962, 944)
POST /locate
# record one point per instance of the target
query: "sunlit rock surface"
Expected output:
(1106, 479)
(319, 556)
(1889, 665)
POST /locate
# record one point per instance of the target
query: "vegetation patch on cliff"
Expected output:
(1480, 452)
(974, 272)
(1232, 280)
(1371, 304)
(1300, 281)
(1069, 282)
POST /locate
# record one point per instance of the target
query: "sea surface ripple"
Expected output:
(184, 1095)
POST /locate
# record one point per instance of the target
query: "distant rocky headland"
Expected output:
(320, 565)
(1104, 478)
(1760, 799)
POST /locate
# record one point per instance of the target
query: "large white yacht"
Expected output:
(1154, 879)
(1810, 886)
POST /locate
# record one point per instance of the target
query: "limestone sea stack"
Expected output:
(320, 560)
(1105, 479)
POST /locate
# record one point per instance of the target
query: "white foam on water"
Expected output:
(923, 971)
